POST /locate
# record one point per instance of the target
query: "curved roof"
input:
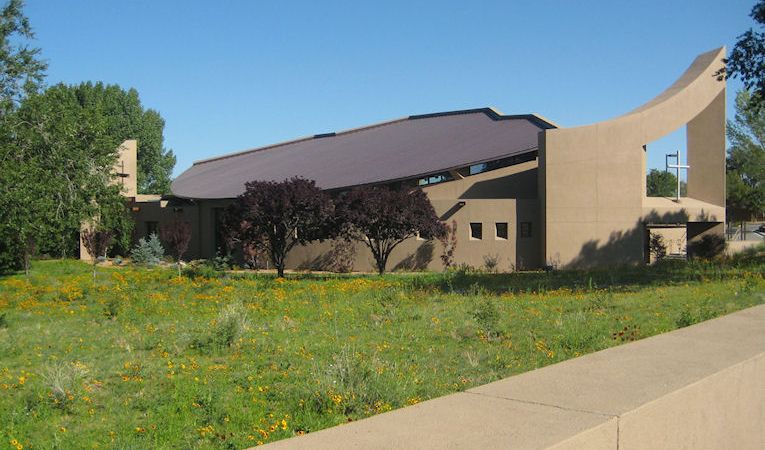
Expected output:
(395, 150)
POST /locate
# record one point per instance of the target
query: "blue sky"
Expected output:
(231, 75)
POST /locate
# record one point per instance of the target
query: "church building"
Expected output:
(521, 190)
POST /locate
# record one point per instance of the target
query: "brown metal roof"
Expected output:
(395, 150)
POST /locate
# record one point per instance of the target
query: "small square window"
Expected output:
(476, 231)
(501, 231)
(525, 229)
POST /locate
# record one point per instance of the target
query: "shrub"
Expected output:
(230, 325)
(690, 316)
(709, 246)
(353, 385)
(221, 263)
(491, 262)
(232, 322)
(487, 317)
(203, 269)
(111, 308)
(63, 380)
(388, 303)
(148, 252)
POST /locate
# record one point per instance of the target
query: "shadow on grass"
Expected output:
(622, 279)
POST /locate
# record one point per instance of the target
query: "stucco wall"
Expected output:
(592, 178)
(506, 195)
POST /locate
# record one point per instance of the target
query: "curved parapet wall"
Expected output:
(592, 178)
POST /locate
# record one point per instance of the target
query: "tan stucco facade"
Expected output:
(503, 196)
(592, 178)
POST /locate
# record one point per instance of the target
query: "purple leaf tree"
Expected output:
(382, 218)
(276, 216)
(176, 236)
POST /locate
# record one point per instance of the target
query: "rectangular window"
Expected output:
(477, 168)
(501, 231)
(151, 228)
(476, 231)
(525, 229)
(435, 179)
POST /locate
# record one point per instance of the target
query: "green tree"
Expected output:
(21, 73)
(747, 60)
(56, 166)
(126, 118)
(21, 70)
(660, 183)
(746, 158)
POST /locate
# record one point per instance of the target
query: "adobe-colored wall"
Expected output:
(506, 195)
(127, 167)
(592, 178)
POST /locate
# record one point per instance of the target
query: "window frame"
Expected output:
(497, 236)
(471, 231)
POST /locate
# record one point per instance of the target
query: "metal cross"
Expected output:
(677, 168)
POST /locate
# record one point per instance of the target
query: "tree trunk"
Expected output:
(382, 261)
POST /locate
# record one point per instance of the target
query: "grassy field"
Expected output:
(145, 359)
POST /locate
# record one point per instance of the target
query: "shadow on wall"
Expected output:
(628, 247)
(419, 260)
(517, 185)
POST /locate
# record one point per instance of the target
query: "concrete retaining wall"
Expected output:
(701, 387)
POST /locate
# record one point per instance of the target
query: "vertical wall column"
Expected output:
(706, 153)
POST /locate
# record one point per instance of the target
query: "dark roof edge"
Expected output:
(493, 114)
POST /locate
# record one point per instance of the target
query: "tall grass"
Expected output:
(149, 360)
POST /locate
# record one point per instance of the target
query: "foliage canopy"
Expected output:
(660, 183)
(746, 159)
(747, 60)
(382, 218)
(125, 118)
(276, 216)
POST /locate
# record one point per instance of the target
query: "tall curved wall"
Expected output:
(592, 178)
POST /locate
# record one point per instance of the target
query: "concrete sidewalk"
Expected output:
(697, 387)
